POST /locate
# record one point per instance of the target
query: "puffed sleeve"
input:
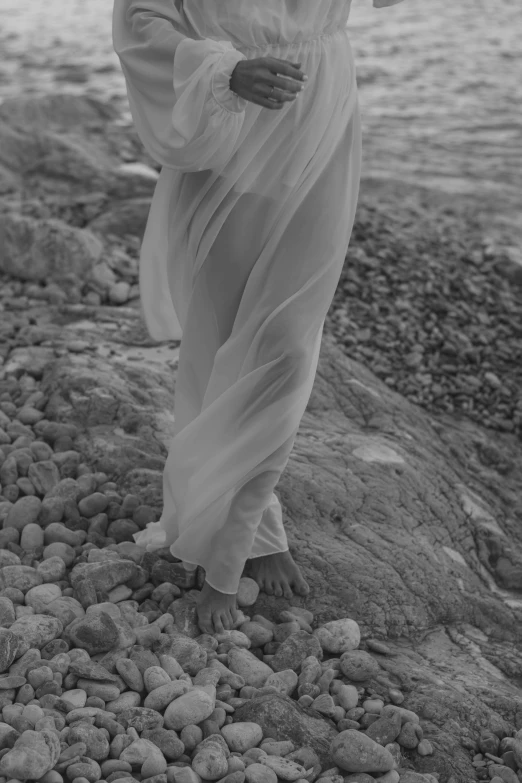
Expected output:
(185, 113)
(385, 3)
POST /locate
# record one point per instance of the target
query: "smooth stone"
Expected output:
(210, 763)
(241, 737)
(139, 751)
(385, 730)
(140, 718)
(130, 673)
(23, 512)
(36, 631)
(7, 612)
(161, 697)
(57, 533)
(94, 633)
(248, 591)
(38, 597)
(20, 577)
(353, 751)
(257, 633)
(34, 754)
(154, 677)
(167, 741)
(284, 769)
(66, 609)
(52, 569)
(253, 671)
(358, 665)
(339, 636)
(92, 671)
(61, 550)
(294, 650)
(102, 690)
(260, 773)
(76, 697)
(191, 708)
(32, 537)
(284, 681)
(95, 739)
(125, 701)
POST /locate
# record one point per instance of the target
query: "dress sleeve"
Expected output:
(385, 3)
(185, 113)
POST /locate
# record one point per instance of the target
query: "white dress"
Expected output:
(245, 243)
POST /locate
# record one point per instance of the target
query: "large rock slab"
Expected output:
(42, 249)
(283, 719)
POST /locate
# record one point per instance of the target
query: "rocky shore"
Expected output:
(404, 663)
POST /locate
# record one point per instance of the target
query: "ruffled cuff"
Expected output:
(221, 82)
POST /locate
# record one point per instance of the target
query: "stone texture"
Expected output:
(409, 522)
(283, 719)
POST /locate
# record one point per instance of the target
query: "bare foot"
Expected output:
(278, 575)
(217, 611)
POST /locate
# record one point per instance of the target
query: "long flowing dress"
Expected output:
(244, 246)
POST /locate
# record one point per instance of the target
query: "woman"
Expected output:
(251, 108)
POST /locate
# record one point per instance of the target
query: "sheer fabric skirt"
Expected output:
(242, 264)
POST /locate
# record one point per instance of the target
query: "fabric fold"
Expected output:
(185, 113)
(243, 250)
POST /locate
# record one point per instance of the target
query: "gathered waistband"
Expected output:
(289, 45)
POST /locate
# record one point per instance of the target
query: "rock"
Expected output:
(91, 670)
(293, 651)
(187, 652)
(259, 773)
(285, 681)
(281, 718)
(161, 697)
(257, 633)
(385, 730)
(65, 609)
(167, 741)
(106, 579)
(253, 671)
(248, 591)
(46, 249)
(339, 636)
(240, 737)
(210, 763)
(52, 569)
(35, 631)
(24, 512)
(358, 665)
(20, 577)
(44, 475)
(9, 645)
(95, 740)
(94, 633)
(284, 768)
(353, 751)
(41, 595)
(34, 754)
(193, 707)
(139, 751)
(140, 718)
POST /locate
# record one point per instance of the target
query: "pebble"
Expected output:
(241, 737)
(353, 751)
(190, 708)
(339, 636)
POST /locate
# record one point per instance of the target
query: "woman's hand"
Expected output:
(253, 80)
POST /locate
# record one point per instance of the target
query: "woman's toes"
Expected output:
(217, 622)
(205, 622)
(278, 591)
(302, 587)
(287, 591)
(268, 588)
